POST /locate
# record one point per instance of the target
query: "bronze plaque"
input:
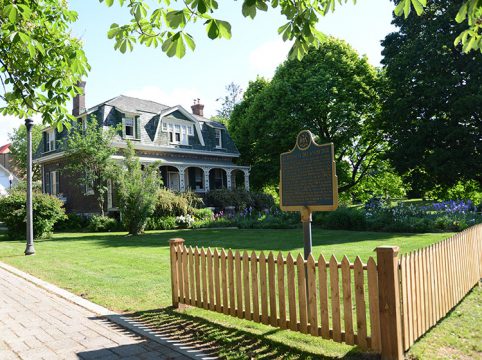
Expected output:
(308, 176)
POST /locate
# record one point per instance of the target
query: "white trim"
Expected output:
(46, 158)
(164, 162)
(164, 148)
(186, 114)
(8, 172)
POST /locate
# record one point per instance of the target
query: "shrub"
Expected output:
(98, 223)
(169, 203)
(47, 210)
(165, 223)
(194, 201)
(72, 222)
(203, 214)
(240, 199)
(343, 218)
(262, 201)
(184, 222)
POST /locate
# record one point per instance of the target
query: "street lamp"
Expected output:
(30, 250)
(10, 180)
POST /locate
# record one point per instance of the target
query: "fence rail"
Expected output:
(327, 298)
(434, 279)
(384, 307)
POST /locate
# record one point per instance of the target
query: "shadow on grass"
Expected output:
(268, 240)
(226, 342)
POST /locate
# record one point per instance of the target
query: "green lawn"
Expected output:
(131, 274)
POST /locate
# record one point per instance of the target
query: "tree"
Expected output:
(137, 188)
(19, 150)
(434, 108)
(228, 102)
(40, 63)
(88, 152)
(332, 92)
(166, 26)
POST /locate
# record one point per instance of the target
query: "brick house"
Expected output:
(195, 153)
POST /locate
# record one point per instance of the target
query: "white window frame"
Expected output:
(51, 140)
(130, 119)
(53, 183)
(219, 139)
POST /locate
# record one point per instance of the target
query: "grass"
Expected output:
(131, 274)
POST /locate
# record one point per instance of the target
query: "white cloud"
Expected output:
(266, 57)
(177, 96)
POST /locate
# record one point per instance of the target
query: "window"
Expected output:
(164, 126)
(129, 128)
(52, 183)
(190, 131)
(219, 143)
(49, 140)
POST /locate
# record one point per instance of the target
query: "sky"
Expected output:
(254, 49)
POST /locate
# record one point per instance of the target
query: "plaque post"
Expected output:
(306, 220)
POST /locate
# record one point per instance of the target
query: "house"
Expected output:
(195, 153)
(7, 177)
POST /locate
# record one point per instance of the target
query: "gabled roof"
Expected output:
(5, 149)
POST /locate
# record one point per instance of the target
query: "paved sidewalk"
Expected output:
(36, 324)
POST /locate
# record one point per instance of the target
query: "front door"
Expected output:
(174, 181)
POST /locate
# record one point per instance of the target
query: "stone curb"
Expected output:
(112, 316)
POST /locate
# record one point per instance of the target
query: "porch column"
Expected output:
(206, 171)
(246, 179)
(228, 178)
(182, 185)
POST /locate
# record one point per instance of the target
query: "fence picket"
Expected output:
(209, 257)
(224, 281)
(300, 265)
(281, 291)
(373, 304)
(232, 290)
(180, 273)
(312, 313)
(204, 279)
(408, 299)
(347, 301)
(254, 286)
(239, 288)
(361, 318)
(192, 284)
(323, 283)
(217, 287)
(291, 291)
(197, 265)
(263, 287)
(272, 290)
(335, 298)
(185, 275)
(247, 295)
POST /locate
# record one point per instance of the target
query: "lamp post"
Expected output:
(30, 250)
(10, 180)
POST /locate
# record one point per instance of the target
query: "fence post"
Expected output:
(389, 303)
(174, 269)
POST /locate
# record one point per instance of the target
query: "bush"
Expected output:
(203, 214)
(194, 201)
(184, 222)
(47, 211)
(169, 203)
(72, 222)
(166, 223)
(98, 223)
(240, 199)
(262, 201)
(343, 218)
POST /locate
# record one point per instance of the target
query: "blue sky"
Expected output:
(255, 49)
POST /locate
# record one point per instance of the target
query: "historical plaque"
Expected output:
(308, 179)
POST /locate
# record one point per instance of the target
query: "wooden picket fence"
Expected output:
(320, 298)
(384, 306)
(434, 279)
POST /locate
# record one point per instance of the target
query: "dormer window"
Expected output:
(219, 141)
(178, 134)
(49, 140)
(131, 128)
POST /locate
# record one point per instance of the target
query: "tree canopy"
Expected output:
(165, 24)
(434, 108)
(332, 92)
(40, 62)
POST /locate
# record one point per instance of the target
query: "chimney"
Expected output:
(197, 108)
(79, 100)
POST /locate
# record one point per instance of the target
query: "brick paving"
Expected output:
(36, 324)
